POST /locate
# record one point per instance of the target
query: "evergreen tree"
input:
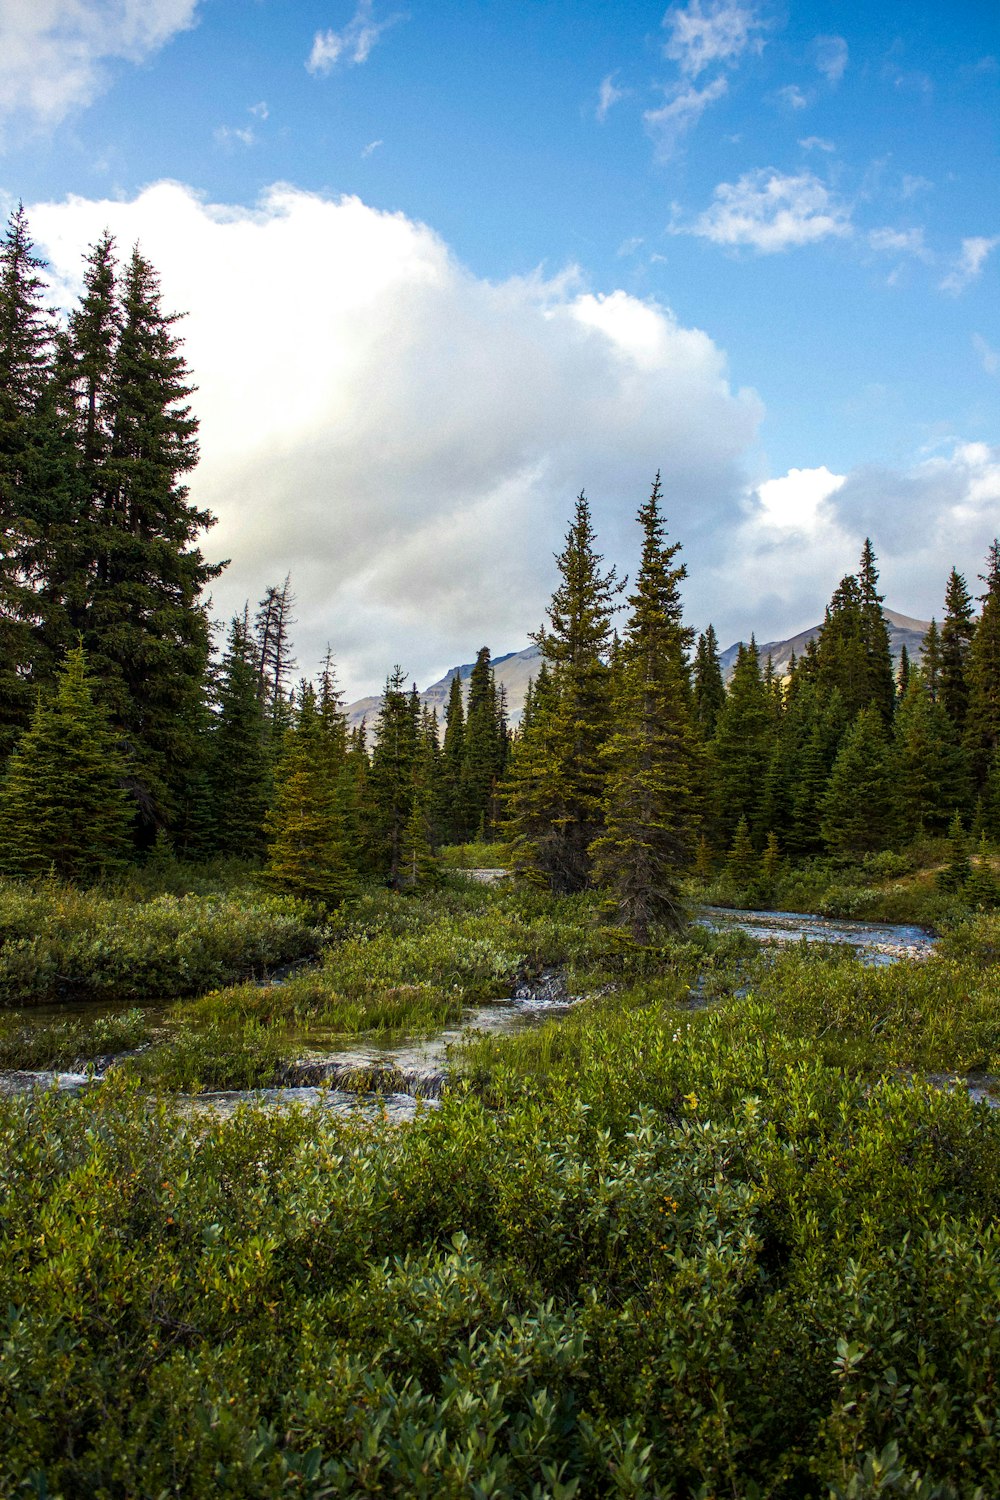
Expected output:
(741, 861)
(853, 655)
(821, 729)
(742, 745)
(556, 787)
(649, 809)
(240, 771)
(63, 805)
(982, 728)
(147, 629)
(956, 643)
(275, 659)
(26, 339)
(709, 687)
(959, 867)
(308, 854)
(903, 672)
(482, 760)
(391, 777)
(932, 777)
(875, 633)
(930, 661)
(858, 806)
(453, 762)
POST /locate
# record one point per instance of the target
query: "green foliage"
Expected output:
(858, 805)
(32, 1044)
(59, 943)
(63, 803)
(308, 855)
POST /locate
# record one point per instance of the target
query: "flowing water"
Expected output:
(398, 1076)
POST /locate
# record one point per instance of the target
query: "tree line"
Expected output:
(634, 762)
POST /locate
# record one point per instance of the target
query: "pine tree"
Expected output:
(649, 809)
(875, 633)
(239, 767)
(742, 745)
(858, 806)
(275, 659)
(709, 688)
(453, 761)
(931, 769)
(556, 788)
(956, 643)
(26, 342)
(959, 867)
(482, 760)
(63, 804)
(903, 673)
(307, 854)
(982, 727)
(741, 861)
(930, 661)
(391, 777)
(147, 630)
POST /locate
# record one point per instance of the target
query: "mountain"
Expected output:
(513, 671)
(903, 631)
(516, 669)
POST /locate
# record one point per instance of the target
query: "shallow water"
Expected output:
(875, 942)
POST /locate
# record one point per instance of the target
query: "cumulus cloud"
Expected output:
(54, 54)
(801, 533)
(701, 37)
(772, 212)
(683, 109)
(969, 264)
(354, 43)
(831, 57)
(407, 439)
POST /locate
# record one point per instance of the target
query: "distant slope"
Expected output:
(514, 671)
(903, 631)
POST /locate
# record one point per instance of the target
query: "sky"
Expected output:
(447, 263)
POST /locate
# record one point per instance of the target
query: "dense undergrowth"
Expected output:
(711, 1233)
(884, 887)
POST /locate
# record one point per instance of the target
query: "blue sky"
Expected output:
(755, 245)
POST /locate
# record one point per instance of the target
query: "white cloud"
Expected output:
(968, 266)
(352, 45)
(791, 96)
(683, 109)
(608, 95)
(831, 57)
(801, 533)
(370, 149)
(773, 212)
(54, 53)
(796, 501)
(912, 185)
(718, 34)
(989, 356)
(899, 242)
(816, 143)
(259, 111)
(406, 438)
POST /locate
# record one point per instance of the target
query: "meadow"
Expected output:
(724, 1228)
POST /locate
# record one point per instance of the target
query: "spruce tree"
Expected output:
(742, 745)
(63, 804)
(931, 769)
(709, 689)
(26, 348)
(453, 762)
(482, 760)
(391, 777)
(307, 853)
(649, 810)
(930, 661)
(858, 806)
(875, 633)
(982, 727)
(239, 767)
(147, 629)
(275, 658)
(556, 790)
(741, 861)
(957, 632)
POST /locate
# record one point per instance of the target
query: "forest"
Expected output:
(724, 1222)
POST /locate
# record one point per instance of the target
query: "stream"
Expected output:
(397, 1078)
